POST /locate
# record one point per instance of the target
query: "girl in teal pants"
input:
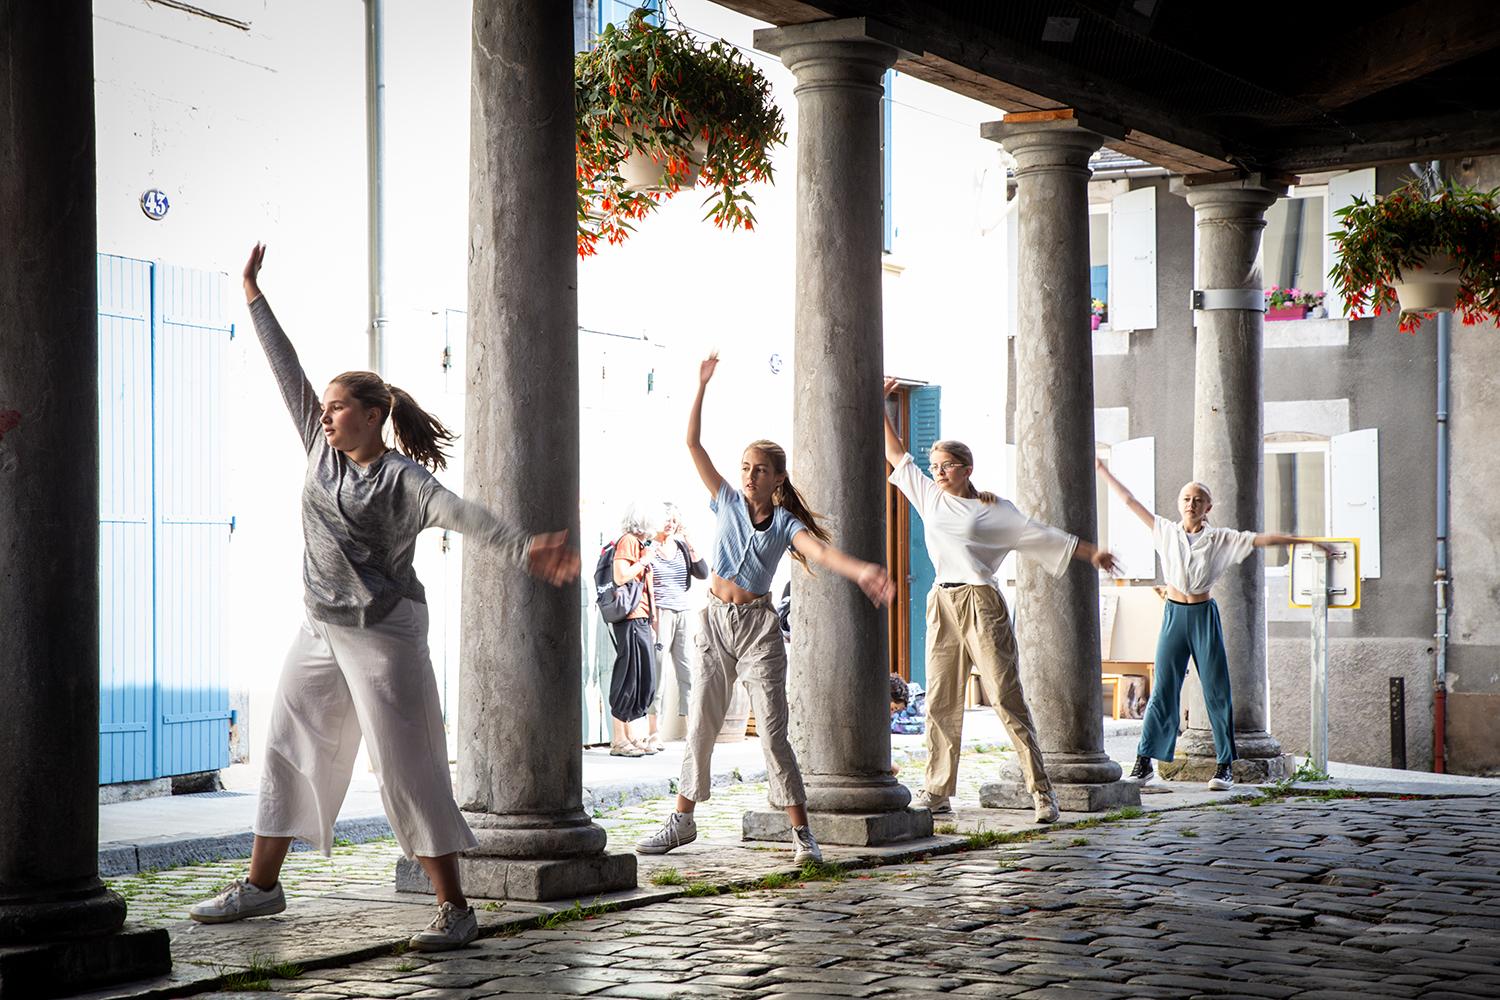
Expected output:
(1194, 554)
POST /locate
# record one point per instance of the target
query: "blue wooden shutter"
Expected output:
(127, 625)
(192, 550)
(925, 428)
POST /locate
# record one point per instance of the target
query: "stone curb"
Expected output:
(119, 858)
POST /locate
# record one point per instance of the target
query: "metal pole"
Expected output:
(1318, 736)
(1440, 580)
(375, 118)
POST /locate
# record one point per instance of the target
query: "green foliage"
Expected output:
(1308, 771)
(656, 90)
(258, 975)
(667, 876)
(775, 880)
(701, 889)
(576, 912)
(945, 829)
(1380, 239)
(823, 871)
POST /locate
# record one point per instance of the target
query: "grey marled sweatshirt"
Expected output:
(359, 526)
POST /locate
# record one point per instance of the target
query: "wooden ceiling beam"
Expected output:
(1402, 46)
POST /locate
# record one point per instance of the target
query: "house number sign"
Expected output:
(155, 204)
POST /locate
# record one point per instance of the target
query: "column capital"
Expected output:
(849, 50)
(1249, 195)
(1053, 144)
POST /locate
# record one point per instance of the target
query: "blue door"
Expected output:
(164, 530)
(924, 428)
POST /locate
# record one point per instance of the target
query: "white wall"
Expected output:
(260, 134)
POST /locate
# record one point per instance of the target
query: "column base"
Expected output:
(64, 968)
(1083, 797)
(534, 880)
(842, 829)
(1247, 770)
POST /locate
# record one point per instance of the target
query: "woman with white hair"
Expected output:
(1194, 554)
(632, 683)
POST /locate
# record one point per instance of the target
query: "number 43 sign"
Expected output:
(155, 204)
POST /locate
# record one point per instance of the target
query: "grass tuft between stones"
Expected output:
(667, 876)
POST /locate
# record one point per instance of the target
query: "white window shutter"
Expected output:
(1132, 260)
(1355, 474)
(1133, 463)
(1342, 189)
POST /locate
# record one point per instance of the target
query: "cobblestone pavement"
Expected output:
(159, 898)
(1311, 898)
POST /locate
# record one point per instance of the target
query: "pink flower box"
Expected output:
(1287, 312)
(1093, 321)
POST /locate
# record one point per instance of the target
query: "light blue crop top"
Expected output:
(743, 555)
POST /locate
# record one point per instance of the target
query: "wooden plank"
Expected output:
(1447, 138)
(778, 12)
(1051, 115)
(1404, 45)
(943, 72)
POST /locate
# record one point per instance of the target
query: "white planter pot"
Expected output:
(642, 173)
(1432, 287)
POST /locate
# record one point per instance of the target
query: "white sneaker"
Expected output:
(805, 846)
(1046, 806)
(938, 805)
(451, 928)
(679, 829)
(239, 900)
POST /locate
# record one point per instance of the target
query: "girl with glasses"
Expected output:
(969, 533)
(739, 633)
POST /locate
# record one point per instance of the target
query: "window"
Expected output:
(1296, 488)
(1099, 258)
(887, 219)
(1293, 244)
(617, 12)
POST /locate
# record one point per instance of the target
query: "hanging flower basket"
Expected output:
(1420, 255)
(659, 112)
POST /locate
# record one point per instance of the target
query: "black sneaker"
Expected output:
(1144, 773)
(1223, 779)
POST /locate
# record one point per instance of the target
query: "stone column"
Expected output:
(61, 930)
(520, 719)
(838, 683)
(1228, 445)
(1057, 618)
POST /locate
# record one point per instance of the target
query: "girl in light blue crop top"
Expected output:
(739, 634)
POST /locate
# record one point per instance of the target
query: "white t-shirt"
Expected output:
(968, 539)
(1192, 563)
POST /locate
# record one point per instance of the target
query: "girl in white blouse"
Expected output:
(1194, 554)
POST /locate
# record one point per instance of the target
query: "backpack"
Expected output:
(615, 601)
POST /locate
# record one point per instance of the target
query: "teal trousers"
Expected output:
(1188, 630)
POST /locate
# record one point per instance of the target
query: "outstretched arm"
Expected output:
(894, 450)
(1095, 556)
(296, 391)
(701, 461)
(1136, 507)
(1268, 538)
(545, 556)
(872, 579)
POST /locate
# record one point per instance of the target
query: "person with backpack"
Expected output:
(674, 567)
(359, 665)
(739, 634)
(632, 683)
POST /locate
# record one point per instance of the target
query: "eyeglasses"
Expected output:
(945, 466)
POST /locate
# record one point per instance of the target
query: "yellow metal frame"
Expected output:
(1291, 596)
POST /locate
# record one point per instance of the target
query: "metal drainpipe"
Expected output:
(1441, 580)
(375, 132)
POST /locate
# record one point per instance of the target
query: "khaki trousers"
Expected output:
(737, 641)
(970, 624)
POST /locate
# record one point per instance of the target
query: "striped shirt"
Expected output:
(671, 574)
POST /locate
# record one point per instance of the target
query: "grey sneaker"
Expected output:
(938, 805)
(239, 900)
(805, 846)
(451, 928)
(1046, 806)
(679, 829)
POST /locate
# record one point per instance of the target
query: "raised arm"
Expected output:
(894, 450)
(872, 579)
(1136, 507)
(296, 391)
(705, 466)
